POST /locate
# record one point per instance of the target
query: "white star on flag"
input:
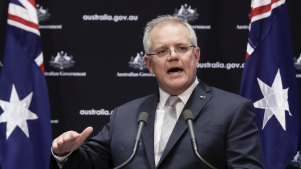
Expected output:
(275, 101)
(16, 112)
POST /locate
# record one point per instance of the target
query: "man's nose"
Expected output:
(173, 54)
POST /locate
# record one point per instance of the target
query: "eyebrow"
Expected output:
(177, 44)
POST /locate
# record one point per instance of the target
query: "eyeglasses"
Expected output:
(180, 50)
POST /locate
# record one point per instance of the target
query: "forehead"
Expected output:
(166, 34)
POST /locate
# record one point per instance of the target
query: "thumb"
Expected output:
(85, 133)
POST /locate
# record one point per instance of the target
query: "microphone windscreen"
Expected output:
(143, 117)
(187, 114)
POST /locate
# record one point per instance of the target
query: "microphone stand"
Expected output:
(142, 120)
(188, 117)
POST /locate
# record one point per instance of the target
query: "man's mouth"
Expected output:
(175, 70)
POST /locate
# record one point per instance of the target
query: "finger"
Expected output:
(60, 141)
(70, 136)
(57, 145)
(54, 144)
(86, 133)
(65, 140)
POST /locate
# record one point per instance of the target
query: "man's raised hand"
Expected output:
(69, 141)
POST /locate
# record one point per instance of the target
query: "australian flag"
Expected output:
(269, 80)
(25, 129)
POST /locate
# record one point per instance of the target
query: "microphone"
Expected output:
(142, 121)
(188, 117)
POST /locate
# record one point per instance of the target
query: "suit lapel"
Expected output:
(149, 106)
(198, 99)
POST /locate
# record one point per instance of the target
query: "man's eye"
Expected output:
(160, 52)
(182, 48)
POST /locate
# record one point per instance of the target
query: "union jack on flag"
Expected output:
(269, 80)
(25, 129)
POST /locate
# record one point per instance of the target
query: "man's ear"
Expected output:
(148, 62)
(197, 54)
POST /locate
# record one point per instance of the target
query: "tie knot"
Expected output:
(172, 100)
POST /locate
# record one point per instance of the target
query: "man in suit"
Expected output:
(226, 134)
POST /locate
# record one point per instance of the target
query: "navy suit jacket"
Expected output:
(224, 126)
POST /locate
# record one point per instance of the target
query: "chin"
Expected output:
(178, 82)
(178, 87)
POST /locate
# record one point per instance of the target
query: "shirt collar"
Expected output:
(183, 96)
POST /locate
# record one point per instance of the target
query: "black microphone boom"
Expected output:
(142, 121)
(188, 117)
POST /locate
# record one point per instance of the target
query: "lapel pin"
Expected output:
(203, 97)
